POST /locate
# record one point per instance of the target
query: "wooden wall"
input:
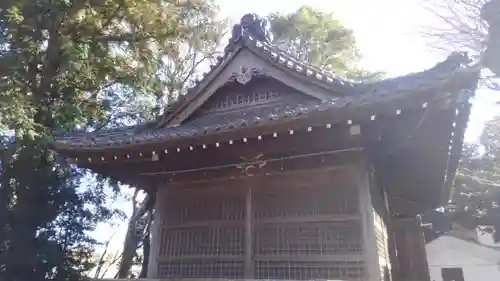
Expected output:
(315, 224)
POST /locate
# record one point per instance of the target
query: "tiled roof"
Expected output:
(367, 96)
(250, 34)
(252, 38)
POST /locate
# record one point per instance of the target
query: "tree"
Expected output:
(105, 260)
(490, 13)
(477, 190)
(458, 25)
(472, 26)
(67, 65)
(475, 201)
(181, 66)
(320, 39)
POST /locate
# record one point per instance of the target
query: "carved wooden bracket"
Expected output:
(252, 162)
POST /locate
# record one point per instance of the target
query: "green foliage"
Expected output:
(320, 39)
(476, 195)
(44, 217)
(489, 14)
(67, 65)
(79, 58)
(475, 201)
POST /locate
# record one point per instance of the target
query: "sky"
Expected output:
(387, 34)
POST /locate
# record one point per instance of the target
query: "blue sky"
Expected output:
(387, 33)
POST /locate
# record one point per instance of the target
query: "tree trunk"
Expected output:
(146, 248)
(129, 247)
(134, 235)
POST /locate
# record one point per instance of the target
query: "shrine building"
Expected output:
(272, 168)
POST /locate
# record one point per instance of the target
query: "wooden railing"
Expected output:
(197, 279)
(220, 279)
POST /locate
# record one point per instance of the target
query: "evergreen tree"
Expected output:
(472, 26)
(320, 39)
(475, 201)
(68, 65)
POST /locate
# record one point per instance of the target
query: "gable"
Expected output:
(261, 91)
(242, 66)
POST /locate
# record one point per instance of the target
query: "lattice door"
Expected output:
(304, 226)
(203, 233)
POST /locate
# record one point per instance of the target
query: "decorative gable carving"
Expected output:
(245, 74)
(242, 68)
(259, 91)
(231, 101)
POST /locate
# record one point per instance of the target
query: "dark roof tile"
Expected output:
(446, 73)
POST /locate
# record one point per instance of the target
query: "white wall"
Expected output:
(479, 263)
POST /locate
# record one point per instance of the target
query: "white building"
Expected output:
(463, 256)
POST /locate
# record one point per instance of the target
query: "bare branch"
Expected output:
(104, 264)
(458, 26)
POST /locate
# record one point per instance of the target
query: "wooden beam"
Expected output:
(191, 258)
(284, 144)
(336, 158)
(312, 219)
(312, 258)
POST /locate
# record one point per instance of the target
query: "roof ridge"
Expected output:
(257, 29)
(280, 58)
(289, 55)
(253, 33)
(137, 127)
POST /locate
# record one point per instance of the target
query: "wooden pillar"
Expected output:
(368, 226)
(156, 233)
(392, 249)
(411, 256)
(248, 232)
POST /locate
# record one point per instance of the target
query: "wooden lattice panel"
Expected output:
(309, 270)
(303, 226)
(305, 195)
(200, 269)
(206, 241)
(186, 206)
(308, 239)
(257, 92)
(202, 233)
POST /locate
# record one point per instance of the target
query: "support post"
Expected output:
(367, 221)
(156, 233)
(410, 248)
(249, 163)
(248, 231)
